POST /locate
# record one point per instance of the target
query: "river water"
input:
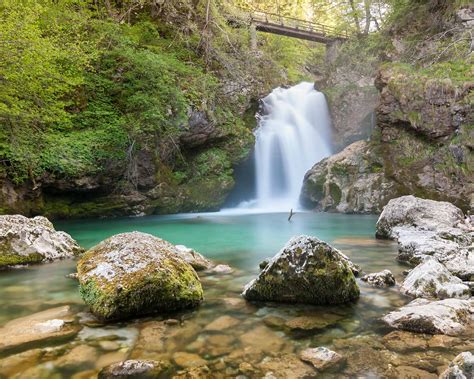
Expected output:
(255, 332)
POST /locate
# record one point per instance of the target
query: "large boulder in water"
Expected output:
(427, 228)
(133, 274)
(462, 367)
(448, 316)
(26, 240)
(413, 212)
(431, 279)
(306, 270)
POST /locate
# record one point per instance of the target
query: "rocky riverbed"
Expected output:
(227, 336)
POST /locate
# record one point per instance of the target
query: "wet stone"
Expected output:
(194, 373)
(405, 341)
(322, 358)
(274, 321)
(221, 269)
(188, 360)
(110, 358)
(222, 323)
(462, 367)
(411, 372)
(135, 369)
(19, 362)
(262, 338)
(285, 366)
(311, 323)
(384, 278)
(78, 356)
(109, 345)
(151, 339)
(48, 325)
(218, 344)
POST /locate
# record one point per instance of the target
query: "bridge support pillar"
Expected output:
(332, 50)
(253, 37)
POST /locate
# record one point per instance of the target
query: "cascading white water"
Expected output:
(293, 134)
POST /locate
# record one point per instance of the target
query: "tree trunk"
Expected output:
(355, 15)
(368, 16)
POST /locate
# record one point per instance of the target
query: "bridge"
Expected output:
(294, 27)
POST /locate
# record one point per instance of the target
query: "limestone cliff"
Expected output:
(423, 139)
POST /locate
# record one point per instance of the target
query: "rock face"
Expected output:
(133, 274)
(413, 212)
(449, 316)
(348, 182)
(146, 369)
(348, 84)
(47, 325)
(424, 124)
(384, 278)
(32, 240)
(462, 367)
(431, 279)
(306, 270)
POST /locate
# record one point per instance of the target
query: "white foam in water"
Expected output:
(293, 135)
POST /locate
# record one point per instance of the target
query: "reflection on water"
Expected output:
(230, 336)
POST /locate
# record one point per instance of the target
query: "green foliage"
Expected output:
(75, 96)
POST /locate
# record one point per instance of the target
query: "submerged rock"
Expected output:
(384, 278)
(51, 324)
(431, 279)
(322, 358)
(413, 212)
(135, 369)
(462, 367)
(33, 240)
(188, 360)
(308, 323)
(222, 323)
(198, 261)
(221, 269)
(448, 316)
(285, 366)
(306, 270)
(133, 274)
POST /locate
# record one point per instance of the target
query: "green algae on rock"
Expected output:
(306, 270)
(132, 274)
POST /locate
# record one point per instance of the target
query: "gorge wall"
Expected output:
(159, 111)
(422, 143)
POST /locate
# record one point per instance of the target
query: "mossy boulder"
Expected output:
(133, 274)
(307, 270)
(26, 240)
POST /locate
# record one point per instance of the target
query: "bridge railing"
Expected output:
(297, 24)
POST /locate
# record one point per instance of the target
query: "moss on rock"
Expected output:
(306, 270)
(14, 259)
(133, 274)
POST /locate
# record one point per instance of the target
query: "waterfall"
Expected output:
(293, 134)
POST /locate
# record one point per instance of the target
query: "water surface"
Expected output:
(256, 330)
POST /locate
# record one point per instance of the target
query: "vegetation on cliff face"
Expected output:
(132, 107)
(128, 107)
(418, 114)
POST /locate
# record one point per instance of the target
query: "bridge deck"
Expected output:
(293, 27)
